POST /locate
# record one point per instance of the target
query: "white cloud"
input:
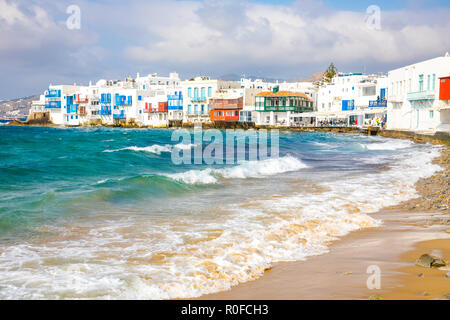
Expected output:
(118, 38)
(237, 34)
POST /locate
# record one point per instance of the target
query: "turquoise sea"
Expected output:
(105, 214)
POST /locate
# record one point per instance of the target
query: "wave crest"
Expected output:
(248, 169)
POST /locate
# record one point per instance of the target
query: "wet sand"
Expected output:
(409, 230)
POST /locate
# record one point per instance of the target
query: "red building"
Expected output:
(225, 109)
(444, 89)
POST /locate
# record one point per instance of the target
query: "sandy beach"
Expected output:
(409, 230)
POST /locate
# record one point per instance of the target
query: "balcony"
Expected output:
(175, 107)
(53, 105)
(52, 93)
(81, 100)
(105, 111)
(120, 115)
(198, 99)
(378, 104)
(72, 109)
(105, 98)
(297, 109)
(421, 95)
(124, 101)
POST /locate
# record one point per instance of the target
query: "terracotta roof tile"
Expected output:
(282, 94)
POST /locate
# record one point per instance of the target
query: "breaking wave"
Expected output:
(156, 148)
(248, 169)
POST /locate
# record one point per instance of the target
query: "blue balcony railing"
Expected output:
(72, 109)
(124, 100)
(378, 104)
(53, 105)
(53, 93)
(421, 95)
(348, 105)
(120, 115)
(105, 111)
(105, 98)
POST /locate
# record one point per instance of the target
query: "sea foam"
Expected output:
(247, 169)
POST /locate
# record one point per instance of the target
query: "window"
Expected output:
(196, 109)
(203, 109)
(429, 82)
(189, 109)
(203, 92)
(195, 93)
(431, 114)
(421, 83)
(209, 91)
(434, 82)
(190, 92)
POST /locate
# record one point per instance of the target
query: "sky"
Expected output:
(286, 39)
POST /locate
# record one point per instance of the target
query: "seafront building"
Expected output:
(226, 105)
(419, 96)
(142, 100)
(274, 108)
(197, 93)
(414, 97)
(353, 99)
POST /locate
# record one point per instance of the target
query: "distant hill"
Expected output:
(17, 107)
(315, 77)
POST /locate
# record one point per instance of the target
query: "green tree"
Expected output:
(330, 73)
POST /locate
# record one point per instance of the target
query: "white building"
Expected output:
(59, 100)
(417, 96)
(247, 83)
(353, 99)
(196, 94)
(112, 101)
(276, 108)
(153, 109)
(38, 105)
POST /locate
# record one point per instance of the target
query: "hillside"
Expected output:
(16, 108)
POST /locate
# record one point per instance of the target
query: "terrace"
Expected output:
(378, 103)
(53, 105)
(53, 93)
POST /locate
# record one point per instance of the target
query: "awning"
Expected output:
(339, 114)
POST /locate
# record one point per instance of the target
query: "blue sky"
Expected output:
(277, 39)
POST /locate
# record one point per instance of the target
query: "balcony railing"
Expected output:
(72, 109)
(53, 105)
(52, 93)
(105, 111)
(198, 99)
(378, 104)
(298, 109)
(119, 115)
(81, 100)
(421, 95)
(175, 108)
